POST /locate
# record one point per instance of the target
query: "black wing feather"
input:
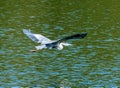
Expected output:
(76, 36)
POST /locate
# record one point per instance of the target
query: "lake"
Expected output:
(92, 62)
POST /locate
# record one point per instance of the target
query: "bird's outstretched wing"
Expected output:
(36, 37)
(76, 36)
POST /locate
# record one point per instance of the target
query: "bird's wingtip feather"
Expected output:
(26, 30)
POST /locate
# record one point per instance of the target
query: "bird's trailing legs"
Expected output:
(33, 50)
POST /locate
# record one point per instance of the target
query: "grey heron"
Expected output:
(50, 44)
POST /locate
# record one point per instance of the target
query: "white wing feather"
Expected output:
(36, 37)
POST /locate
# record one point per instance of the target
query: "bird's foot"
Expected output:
(33, 50)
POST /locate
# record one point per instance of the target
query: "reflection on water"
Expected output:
(90, 62)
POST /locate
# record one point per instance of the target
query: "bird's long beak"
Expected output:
(66, 44)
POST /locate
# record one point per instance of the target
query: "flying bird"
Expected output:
(50, 44)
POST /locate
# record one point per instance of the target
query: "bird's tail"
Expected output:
(40, 47)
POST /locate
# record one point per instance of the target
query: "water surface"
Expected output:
(90, 62)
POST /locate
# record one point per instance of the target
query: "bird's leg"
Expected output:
(33, 50)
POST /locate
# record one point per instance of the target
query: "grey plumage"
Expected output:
(36, 37)
(47, 43)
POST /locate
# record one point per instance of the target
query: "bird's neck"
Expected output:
(60, 47)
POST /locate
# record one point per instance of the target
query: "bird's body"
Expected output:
(50, 44)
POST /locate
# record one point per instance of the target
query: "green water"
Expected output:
(92, 62)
